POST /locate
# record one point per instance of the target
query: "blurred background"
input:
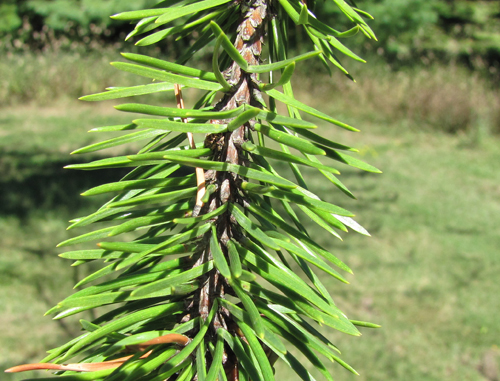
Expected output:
(428, 106)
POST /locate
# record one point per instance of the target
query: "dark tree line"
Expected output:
(411, 31)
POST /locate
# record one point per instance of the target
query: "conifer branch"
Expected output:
(192, 287)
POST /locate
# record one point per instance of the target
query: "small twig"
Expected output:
(200, 174)
(80, 367)
(170, 338)
(165, 339)
(235, 376)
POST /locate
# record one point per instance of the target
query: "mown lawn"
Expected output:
(428, 274)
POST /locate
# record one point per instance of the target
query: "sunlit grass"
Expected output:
(427, 274)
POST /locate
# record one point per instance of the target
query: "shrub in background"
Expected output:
(410, 31)
(208, 288)
(27, 25)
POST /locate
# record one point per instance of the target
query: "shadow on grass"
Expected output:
(40, 182)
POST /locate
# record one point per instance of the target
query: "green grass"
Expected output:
(428, 275)
(55, 130)
(37, 198)
(31, 280)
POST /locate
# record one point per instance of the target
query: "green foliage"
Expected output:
(60, 24)
(401, 22)
(209, 285)
(409, 31)
(417, 29)
(81, 13)
(9, 19)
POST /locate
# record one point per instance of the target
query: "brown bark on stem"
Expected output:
(226, 148)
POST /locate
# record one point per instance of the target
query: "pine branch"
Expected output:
(233, 226)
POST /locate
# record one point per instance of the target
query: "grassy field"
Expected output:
(428, 274)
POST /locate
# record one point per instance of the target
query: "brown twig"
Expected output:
(235, 376)
(165, 339)
(170, 338)
(200, 174)
(82, 367)
(70, 367)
